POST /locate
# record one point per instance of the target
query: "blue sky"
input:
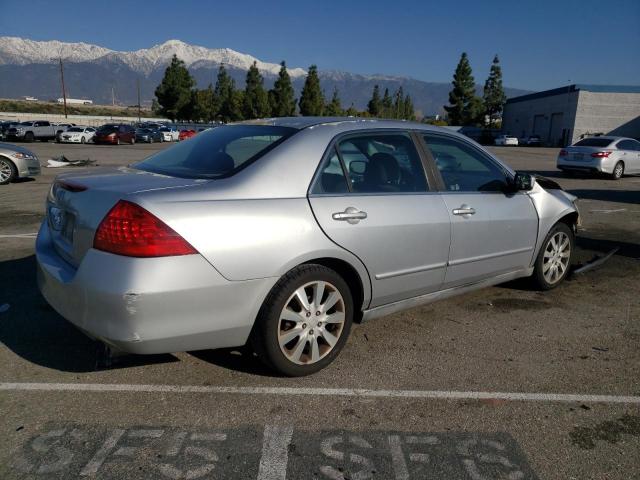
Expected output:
(542, 44)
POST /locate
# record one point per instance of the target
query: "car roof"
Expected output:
(306, 122)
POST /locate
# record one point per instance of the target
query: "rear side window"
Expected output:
(331, 178)
(594, 142)
(631, 145)
(218, 152)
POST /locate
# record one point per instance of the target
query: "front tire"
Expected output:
(8, 171)
(554, 259)
(618, 171)
(304, 322)
(83, 141)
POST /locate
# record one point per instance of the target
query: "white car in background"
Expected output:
(77, 134)
(614, 156)
(170, 134)
(506, 140)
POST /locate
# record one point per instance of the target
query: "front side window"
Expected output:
(383, 163)
(463, 167)
(217, 152)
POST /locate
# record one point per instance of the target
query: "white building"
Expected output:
(563, 115)
(76, 101)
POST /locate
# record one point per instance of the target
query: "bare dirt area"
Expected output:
(475, 387)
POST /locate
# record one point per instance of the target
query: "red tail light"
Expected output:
(563, 153)
(130, 230)
(600, 154)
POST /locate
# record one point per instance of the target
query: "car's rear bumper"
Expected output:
(149, 305)
(590, 165)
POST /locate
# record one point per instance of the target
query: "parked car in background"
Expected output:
(33, 130)
(186, 134)
(77, 134)
(17, 162)
(115, 134)
(4, 127)
(614, 156)
(170, 134)
(533, 141)
(506, 140)
(149, 135)
(163, 256)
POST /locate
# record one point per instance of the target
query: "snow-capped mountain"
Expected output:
(29, 67)
(21, 51)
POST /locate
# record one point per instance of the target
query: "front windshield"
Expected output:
(217, 152)
(75, 129)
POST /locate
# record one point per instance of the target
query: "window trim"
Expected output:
(333, 144)
(441, 184)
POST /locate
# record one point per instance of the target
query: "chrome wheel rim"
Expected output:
(557, 255)
(5, 171)
(618, 170)
(311, 323)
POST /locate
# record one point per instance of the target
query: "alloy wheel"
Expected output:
(5, 171)
(557, 255)
(311, 322)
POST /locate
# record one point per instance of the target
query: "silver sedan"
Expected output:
(281, 233)
(614, 156)
(17, 162)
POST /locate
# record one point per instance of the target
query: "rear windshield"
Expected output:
(218, 152)
(108, 128)
(594, 142)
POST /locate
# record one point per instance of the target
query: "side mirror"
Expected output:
(523, 181)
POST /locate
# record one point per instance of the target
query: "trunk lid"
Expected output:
(78, 202)
(583, 154)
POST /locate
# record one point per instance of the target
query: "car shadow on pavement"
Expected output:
(239, 359)
(31, 329)
(608, 195)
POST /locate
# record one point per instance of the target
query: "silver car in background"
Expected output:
(281, 233)
(17, 162)
(614, 156)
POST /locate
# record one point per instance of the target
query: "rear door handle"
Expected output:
(350, 215)
(464, 210)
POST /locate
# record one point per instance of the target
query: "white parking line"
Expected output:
(340, 392)
(20, 235)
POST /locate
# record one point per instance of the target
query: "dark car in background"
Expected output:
(149, 135)
(115, 134)
(4, 128)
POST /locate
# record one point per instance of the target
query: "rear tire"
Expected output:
(618, 171)
(554, 259)
(29, 137)
(304, 322)
(8, 171)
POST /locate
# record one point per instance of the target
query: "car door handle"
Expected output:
(464, 210)
(351, 215)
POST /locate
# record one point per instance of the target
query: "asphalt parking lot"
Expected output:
(412, 396)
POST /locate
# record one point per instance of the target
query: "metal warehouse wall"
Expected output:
(608, 113)
(552, 118)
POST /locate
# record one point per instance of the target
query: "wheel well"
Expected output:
(10, 161)
(351, 276)
(571, 220)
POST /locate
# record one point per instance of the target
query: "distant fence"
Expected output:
(89, 120)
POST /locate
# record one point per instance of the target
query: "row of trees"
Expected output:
(465, 107)
(179, 99)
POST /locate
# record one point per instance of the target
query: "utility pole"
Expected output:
(64, 92)
(113, 97)
(139, 100)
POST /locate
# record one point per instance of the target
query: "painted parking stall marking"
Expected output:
(273, 452)
(333, 392)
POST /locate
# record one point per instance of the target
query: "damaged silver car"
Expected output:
(281, 233)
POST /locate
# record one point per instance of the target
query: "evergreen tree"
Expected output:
(175, 90)
(334, 108)
(462, 94)
(494, 96)
(352, 111)
(281, 96)
(398, 103)
(311, 98)
(387, 105)
(408, 113)
(227, 100)
(256, 100)
(204, 105)
(374, 106)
